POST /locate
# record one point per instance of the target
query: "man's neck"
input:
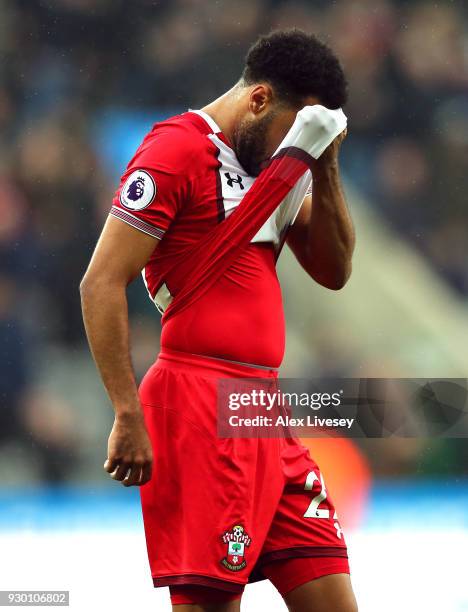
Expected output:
(225, 110)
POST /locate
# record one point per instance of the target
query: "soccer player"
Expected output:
(220, 512)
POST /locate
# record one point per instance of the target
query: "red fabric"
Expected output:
(188, 594)
(201, 266)
(204, 486)
(288, 574)
(159, 155)
(210, 262)
(183, 163)
(239, 318)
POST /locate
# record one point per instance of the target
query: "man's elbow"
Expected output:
(339, 281)
(92, 286)
(97, 285)
(334, 279)
(87, 292)
(86, 285)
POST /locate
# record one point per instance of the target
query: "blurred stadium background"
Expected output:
(81, 81)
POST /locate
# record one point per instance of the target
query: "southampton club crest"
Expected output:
(138, 191)
(237, 541)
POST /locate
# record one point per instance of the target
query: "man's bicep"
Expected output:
(121, 253)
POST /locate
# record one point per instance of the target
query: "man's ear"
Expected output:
(260, 97)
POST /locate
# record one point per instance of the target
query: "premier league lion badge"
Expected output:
(138, 191)
(237, 541)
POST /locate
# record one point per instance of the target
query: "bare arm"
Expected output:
(120, 255)
(322, 237)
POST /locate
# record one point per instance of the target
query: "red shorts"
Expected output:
(218, 509)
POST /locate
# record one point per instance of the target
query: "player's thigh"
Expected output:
(332, 593)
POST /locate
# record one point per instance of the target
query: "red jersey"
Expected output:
(183, 180)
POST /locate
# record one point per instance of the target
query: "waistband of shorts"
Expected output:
(216, 365)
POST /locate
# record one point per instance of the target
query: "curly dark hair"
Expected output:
(296, 65)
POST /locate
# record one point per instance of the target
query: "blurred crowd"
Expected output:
(65, 63)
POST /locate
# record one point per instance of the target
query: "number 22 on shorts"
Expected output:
(313, 511)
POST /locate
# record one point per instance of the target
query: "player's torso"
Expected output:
(241, 316)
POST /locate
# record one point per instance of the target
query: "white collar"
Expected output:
(210, 121)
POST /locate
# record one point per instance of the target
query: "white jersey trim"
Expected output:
(163, 296)
(210, 121)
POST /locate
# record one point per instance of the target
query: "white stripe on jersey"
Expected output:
(235, 183)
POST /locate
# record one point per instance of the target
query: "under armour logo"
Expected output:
(231, 181)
